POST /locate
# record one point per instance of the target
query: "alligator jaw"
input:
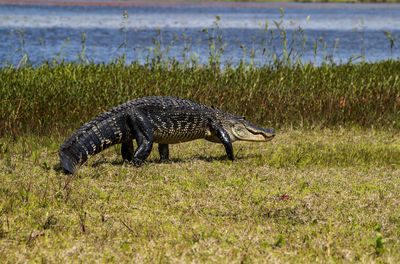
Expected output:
(246, 131)
(262, 134)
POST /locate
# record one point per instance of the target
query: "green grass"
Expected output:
(326, 189)
(320, 195)
(48, 99)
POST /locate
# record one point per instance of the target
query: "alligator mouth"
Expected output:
(261, 136)
(258, 134)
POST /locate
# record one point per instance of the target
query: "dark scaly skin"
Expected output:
(163, 120)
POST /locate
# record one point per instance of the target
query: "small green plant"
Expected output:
(360, 30)
(279, 241)
(215, 45)
(82, 56)
(24, 60)
(61, 54)
(124, 31)
(391, 40)
(379, 245)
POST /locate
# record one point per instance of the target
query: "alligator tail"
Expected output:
(93, 137)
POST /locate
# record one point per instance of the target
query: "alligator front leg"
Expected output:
(164, 151)
(224, 137)
(142, 131)
(127, 150)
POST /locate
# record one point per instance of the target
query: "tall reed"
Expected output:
(49, 98)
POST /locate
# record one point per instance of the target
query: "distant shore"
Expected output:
(226, 3)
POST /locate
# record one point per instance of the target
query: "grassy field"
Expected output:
(320, 195)
(325, 190)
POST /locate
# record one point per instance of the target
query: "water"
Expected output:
(331, 32)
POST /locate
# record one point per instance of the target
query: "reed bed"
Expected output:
(50, 98)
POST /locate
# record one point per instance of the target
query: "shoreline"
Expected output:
(210, 4)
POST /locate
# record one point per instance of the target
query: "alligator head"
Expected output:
(242, 130)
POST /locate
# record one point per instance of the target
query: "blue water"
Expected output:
(330, 32)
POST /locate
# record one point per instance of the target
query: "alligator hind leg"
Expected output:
(143, 150)
(127, 150)
(224, 137)
(164, 151)
(142, 131)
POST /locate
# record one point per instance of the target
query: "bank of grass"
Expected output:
(321, 195)
(49, 98)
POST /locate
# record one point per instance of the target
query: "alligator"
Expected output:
(157, 119)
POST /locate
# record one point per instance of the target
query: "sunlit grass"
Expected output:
(308, 195)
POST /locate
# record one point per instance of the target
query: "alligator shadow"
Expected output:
(58, 168)
(205, 158)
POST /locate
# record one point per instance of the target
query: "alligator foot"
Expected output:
(164, 152)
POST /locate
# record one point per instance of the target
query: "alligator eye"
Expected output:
(240, 130)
